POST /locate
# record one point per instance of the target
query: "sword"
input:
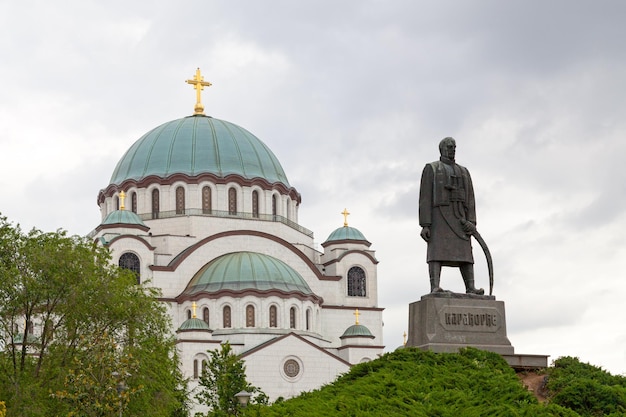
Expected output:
(483, 245)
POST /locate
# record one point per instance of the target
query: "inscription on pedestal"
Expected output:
(469, 319)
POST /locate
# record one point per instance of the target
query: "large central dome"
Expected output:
(197, 145)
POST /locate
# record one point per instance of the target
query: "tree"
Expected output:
(223, 376)
(97, 385)
(69, 316)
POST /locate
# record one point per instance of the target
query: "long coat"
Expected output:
(447, 197)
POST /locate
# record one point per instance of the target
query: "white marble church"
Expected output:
(202, 209)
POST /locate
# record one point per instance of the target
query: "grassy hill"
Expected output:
(410, 382)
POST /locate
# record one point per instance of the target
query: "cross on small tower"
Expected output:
(345, 217)
(404, 339)
(193, 310)
(198, 84)
(356, 314)
(122, 198)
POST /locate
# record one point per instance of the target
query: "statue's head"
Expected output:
(447, 148)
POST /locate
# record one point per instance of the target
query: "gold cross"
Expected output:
(193, 310)
(345, 217)
(122, 197)
(198, 84)
(356, 313)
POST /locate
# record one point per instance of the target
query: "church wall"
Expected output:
(340, 295)
(359, 354)
(200, 227)
(266, 368)
(188, 352)
(145, 255)
(335, 321)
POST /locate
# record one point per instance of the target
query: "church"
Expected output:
(202, 209)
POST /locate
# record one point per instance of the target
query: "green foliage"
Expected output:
(223, 376)
(91, 384)
(411, 382)
(586, 389)
(68, 320)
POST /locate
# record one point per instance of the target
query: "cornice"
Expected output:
(348, 252)
(248, 292)
(332, 307)
(116, 238)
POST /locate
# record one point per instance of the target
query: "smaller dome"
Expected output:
(194, 324)
(241, 271)
(357, 330)
(346, 233)
(123, 217)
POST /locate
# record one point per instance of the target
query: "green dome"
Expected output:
(357, 330)
(345, 233)
(197, 145)
(192, 324)
(240, 271)
(123, 217)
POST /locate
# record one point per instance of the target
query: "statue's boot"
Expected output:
(434, 285)
(467, 271)
(470, 289)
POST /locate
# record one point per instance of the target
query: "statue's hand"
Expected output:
(468, 227)
(425, 234)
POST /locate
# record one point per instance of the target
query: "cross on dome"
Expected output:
(356, 314)
(198, 84)
(193, 310)
(345, 218)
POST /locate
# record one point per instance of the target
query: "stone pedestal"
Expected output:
(446, 322)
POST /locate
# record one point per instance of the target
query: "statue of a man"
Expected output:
(447, 214)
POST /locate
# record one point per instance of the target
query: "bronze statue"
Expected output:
(447, 214)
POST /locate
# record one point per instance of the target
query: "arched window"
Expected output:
(205, 315)
(255, 203)
(195, 369)
(226, 317)
(288, 214)
(274, 206)
(232, 201)
(273, 316)
(188, 314)
(292, 318)
(308, 319)
(249, 316)
(203, 368)
(180, 200)
(133, 202)
(356, 282)
(130, 261)
(206, 200)
(155, 203)
(117, 203)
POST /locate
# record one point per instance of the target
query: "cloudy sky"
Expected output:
(353, 97)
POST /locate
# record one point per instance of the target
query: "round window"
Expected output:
(292, 368)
